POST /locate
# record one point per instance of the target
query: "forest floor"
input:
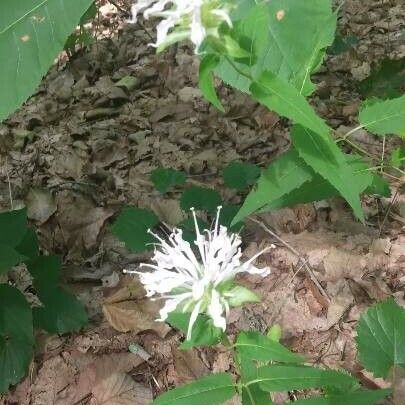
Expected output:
(82, 148)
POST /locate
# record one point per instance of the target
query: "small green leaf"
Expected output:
(254, 346)
(324, 156)
(13, 225)
(61, 312)
(239, 295)
(201, 199)
(239, 175)
(206, 80)
(381, 337)
(398, 157)
(384, 117)
(9, 257)
(131, 227)
(379, 186)
(283, 378)
(387, 80)
(359, 397)
(45, 271)
(163, 179)
(210, 390)
(286, 173)
(16, 336)
(204, 333)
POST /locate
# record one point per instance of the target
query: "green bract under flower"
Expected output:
(202, 283)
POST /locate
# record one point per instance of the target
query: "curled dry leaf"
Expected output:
(129, 310)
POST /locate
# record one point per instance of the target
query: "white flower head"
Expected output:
(193, 19)
(202, 282)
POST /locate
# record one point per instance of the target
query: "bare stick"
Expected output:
(296, 253)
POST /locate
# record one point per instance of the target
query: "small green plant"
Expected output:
(59, 311)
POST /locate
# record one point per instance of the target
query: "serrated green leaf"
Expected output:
(326, 159)
(384, 117)
(282, 97)
(379, 186)
(239, 175)
(387, 80)
(204, 333)
(32, 33)
(16, 336)
(381, 337)
(282, 378)
(286, 173)
(287, 37)
(45, 271)
(254, 346)
(210, 390)
(200, 198)
(61, 311)
(13, 225)
(359, 397)
(9, 257)
(163, 179)
(131, 227)
(206, 80)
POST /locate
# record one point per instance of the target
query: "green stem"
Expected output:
(241, 72)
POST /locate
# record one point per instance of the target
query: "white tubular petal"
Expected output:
(193, 318)
(215, 310)
(171, 304)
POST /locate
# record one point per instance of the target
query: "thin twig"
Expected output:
(10, 191)
(299, 256)
(394, 198)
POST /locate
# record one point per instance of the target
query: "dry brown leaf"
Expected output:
(188, 366)
(339, 264)
(40, 205)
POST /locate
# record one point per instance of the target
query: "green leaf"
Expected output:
(320, 189)
(239, 295)
(206, 80)
(288, 37)
(29, 246)
(9, 257)
(387, 80)
(324, 156)
(286, 173)
(359, 397)
(342, 44)
(204, 333)
(287, 378)
(45, 271)
(228, 213)
(13, 225)
(239, 175)
(254, 346)
(201, 199)
(274, 333)
(210, 390)
(16, 336)
(32, 33)
(61, 312)
(280, 96)
(131, 227)
(163, 179)
(379, 186)
(398, 157)
(381, 337)
(384, 117)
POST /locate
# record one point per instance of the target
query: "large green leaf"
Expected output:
(280, 96)
(287, 37)
(32, 33)
(381, 337)
(61, 311)
(13, 225)
(286, 378)
(384, 117)
(324, 156)
(252, 345)
(9, 257)
(359, 397)
(286, 173)
(45, 271)
(131, 227)
(16, 336)
(210, 390)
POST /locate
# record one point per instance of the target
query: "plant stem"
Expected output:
(241, 72)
